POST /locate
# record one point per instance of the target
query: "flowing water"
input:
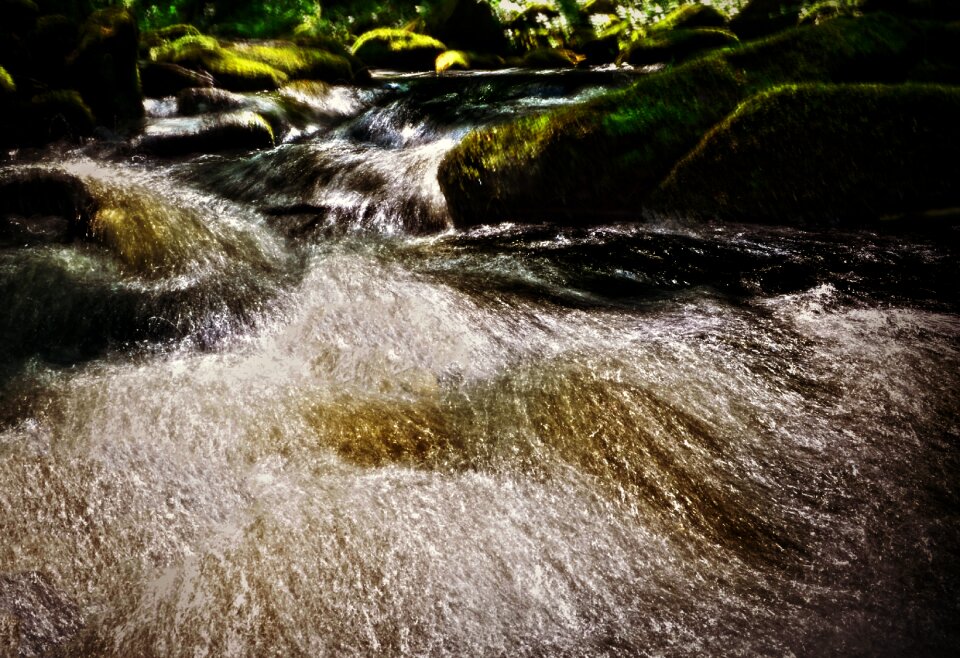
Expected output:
(279, 407)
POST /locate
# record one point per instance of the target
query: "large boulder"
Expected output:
(50, 46)
(104, 67)
(602, 159)
(825, 153)
(398, 49)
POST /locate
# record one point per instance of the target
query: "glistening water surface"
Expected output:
(279, 407)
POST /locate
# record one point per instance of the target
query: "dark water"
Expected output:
(279, 407)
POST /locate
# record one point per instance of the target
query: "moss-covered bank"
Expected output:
(825, 153)
(601, 160)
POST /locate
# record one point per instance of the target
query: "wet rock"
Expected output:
(804, 153)
(104, 67)
(676, 45)
(58, 115)
(205, 54)
(161, 79)
(761, 17)
(35, 618)
(237, 131)
(398, 49)
(195, 101)
(38, 204)
(469, 25)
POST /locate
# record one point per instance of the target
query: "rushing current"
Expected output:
(283, 408)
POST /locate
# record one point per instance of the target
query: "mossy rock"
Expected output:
(156, 38)
(603, 158)
(7, 85)
(459, 60)
(398, 49)
(104, 67)
(691, 16)
(235, 131)
(56, 115)
(551, 58)
(40, 192)
(825, 154)
(581, 162)
(192, 102)
(761, 17)
(160, 79)
(676, 45)
(298, 62)
(469, 25)
(821, 12)
(229, 69)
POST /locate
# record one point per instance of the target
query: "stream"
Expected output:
(284, 408)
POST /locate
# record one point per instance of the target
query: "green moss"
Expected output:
(230, 69)
(399, 49)
(7, 86)
(675, 45)
(821, 153)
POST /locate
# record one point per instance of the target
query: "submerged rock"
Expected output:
(235, 131)
(35, 618)
(398, 49)
(808, 153)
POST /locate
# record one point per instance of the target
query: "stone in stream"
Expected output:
(234, 131)
(398, 49)
(161, 79)
(195, 101)
(43, 205)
